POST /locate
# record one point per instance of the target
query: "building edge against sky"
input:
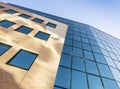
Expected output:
(90, 58)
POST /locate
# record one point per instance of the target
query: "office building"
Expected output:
(43, 51)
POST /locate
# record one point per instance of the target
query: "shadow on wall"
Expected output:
(7, 81)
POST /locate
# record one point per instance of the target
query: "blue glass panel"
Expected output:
(77, 38)
(95, 82)
(105, 71)
(23, 59)
(67, 49)
(96, 49)
(77, 44)
(42, 35)
(110, 84)
(68, 42)
(93, 42)
(65, 60)
(38, 20)
(6, 23)
(79, 80)
(86, 46)
(3, 48)
(51, 25)
(57, 88)
(10, 11)
(91, 67)
(78, 64)
(24, 29)
(85, 40)
(77, 52)
(63, 77)
(25, 16)
(99, 58)
(88, 55)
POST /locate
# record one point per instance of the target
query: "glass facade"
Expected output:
(90, 58)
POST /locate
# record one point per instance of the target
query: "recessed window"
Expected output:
(23, 59)
(10, 11)
(3, 48)
(24, 29)
(25, 16)
(42, 35)
(51, 25)
(1, 7)
(38, 20)
(6, 23)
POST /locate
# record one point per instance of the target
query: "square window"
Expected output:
(68, 42)
(88, 55)
(99, 58)
(23, 59)
(77, 52)
(65, 60)
(24, 16)
(91, 67)
(79, 80)
(10, 11)
(1, 7)
(63, 77)
(24, 29)
(3, 48)
(78, 64)
(38, 20)
(105, 71)
(67, 49)
(95, 82)
(51, 25)
(6, 23)
(86, 46)
(42, 35)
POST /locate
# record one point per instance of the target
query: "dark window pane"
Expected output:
(94, 82)
(24, 29)
(57, 88)
(24, 16)
(23, 59)
(91, 67)
(109, 84)
(67, 49)
(6, 23)
(78, 64)
(1, 7)
(77, 52)
(68, 42)
(38, 20)
(77, 38)
(99, 58)
(10, 11)
(86, 46)
(51, 25)
(105, 71)
(85, 40)
(3, 48)
(63, 77)
(77, 44)
(79, 80)
(42, 35)
(65, 60)
(88, 55)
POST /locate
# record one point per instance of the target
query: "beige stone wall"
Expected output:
(42, 73)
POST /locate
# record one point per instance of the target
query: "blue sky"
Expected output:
(102, 14)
